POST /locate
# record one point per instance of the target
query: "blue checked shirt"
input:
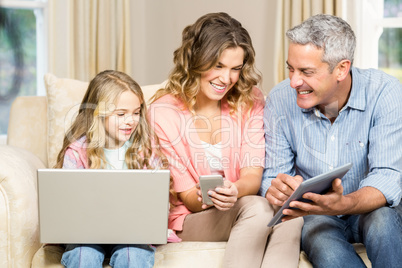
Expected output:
(367, 132)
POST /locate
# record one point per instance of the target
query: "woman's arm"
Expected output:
(191, 199)
(250, 181)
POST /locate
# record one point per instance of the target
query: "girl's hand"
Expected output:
(224, 197)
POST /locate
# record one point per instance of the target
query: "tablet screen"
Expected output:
(319, 185)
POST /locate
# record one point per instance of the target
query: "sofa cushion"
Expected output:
(63, 99)
(27, 127)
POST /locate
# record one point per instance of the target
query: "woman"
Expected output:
(209, 121)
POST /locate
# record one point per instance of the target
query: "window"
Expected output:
(377, 25)
(22, 53)
(390, 43)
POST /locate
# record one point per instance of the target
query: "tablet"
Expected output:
(319, 185)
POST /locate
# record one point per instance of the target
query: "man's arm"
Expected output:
(279, 158)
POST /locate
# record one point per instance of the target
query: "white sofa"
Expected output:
(35, 134)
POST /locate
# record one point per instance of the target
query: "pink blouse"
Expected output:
(242, 138)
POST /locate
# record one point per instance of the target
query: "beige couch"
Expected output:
(35, 133)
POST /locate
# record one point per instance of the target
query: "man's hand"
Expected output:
(282, 187)
(331, 203)
(334, 202)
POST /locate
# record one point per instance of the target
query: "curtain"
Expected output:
(291, 13)
(87, 37)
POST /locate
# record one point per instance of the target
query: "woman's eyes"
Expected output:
(235, 69)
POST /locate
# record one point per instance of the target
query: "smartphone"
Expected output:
(209, 182)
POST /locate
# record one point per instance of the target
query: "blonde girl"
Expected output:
(110, 131)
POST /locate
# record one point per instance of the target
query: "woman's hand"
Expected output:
(223, 198)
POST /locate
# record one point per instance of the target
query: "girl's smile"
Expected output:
(121, 124)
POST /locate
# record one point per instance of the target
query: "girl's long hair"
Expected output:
(202, 45)
(98, 103)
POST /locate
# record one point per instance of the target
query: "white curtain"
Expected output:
(86, 37)
(139, 36)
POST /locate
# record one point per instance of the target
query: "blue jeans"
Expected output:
(327, 239)
(121, 256)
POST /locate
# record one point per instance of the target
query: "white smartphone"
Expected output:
(209, 182)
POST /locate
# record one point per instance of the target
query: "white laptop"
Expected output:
(99, 206)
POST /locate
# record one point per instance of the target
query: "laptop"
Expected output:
(99, 206)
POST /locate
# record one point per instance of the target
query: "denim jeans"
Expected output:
(84, 256)
(327, 239)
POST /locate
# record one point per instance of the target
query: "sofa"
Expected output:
(35, 133)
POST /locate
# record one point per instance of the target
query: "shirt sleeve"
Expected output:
(279, 157)
(385, 139)
(72, 160)
(169, 124)
(253, 145)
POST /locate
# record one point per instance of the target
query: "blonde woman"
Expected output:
(209, 119)
(110, 132)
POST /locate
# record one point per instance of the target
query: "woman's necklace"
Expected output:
(209, 116)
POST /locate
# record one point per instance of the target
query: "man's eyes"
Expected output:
(307, 72)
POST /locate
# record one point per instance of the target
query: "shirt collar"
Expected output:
(357, 99)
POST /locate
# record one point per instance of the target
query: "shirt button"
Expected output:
(332, 138)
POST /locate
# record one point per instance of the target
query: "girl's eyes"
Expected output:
(123, 114)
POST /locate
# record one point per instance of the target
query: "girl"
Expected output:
(211, 107)
(110, 132)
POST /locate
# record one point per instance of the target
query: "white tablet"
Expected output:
(319, 185)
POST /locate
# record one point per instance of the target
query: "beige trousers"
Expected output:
(250, 242)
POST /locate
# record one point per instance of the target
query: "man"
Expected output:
(327, 114)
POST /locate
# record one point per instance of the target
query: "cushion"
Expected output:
(63, 99)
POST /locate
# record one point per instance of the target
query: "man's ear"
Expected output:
(343, 69)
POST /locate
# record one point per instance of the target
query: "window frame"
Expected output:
(40, 9)
(367, 20)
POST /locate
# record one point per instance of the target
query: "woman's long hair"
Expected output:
(99, 101)
(202, 45)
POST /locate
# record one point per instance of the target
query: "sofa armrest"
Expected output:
(27, 127)
(19, 226)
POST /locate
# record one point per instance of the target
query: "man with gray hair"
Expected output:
(329, 113)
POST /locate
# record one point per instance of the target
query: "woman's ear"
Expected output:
(343, 69)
